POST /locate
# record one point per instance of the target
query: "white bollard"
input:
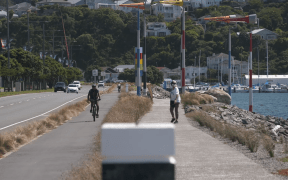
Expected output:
(133, 151)
(127, 87)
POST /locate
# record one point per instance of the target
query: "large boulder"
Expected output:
(221, 95)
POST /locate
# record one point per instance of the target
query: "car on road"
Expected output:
(78, 84)
(101, 83)
(72, 88)
(60, 86)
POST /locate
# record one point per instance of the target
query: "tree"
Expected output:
(73, 74)
(127, 75)
(154, 76)
(88, 72)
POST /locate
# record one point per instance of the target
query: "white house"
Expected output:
(53, 2)
(96, 4)
(157, 29)
(204, 3)
(265, 34)
(169, 11)
(273, 79)
(121, 68)
(193, 71)
(220, 62)
(22, 8)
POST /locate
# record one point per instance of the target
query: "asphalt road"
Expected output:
(18, 109)
(53, 154)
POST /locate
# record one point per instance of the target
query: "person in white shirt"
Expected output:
(175, 100)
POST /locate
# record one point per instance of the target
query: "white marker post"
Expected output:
(94, 74)
(131, 151)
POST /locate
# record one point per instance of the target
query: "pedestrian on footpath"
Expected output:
(175, 100)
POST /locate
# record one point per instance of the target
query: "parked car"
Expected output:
(72, 88)
(60, 86)
(101, 83)
(78, 84)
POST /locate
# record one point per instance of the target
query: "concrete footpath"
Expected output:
(54, 153)
(200, 156)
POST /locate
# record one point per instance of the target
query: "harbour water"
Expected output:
(273, 104)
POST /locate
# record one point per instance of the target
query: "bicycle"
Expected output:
(94, 109)
(119, 90)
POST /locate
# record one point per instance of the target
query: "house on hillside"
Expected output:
(220, 62)
(265, 34)
(53, 2)
(170, 12)
(157, 29)
(22, 8)
(3, 14)
(110, 73)
(204, 3)
(77, 2)
(121, 68)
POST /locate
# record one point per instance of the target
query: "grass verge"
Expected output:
(196, 98)
(134, 108)
(3, 94)
(243, 136)
(23, 134)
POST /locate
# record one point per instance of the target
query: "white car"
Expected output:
(72, 88)
(101, 83)
(78, 84)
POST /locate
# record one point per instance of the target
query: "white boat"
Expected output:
(283, 88)
(238, 88)
(270, 88)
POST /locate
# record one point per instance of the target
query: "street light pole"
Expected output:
(183, 49)
(138, 54)
(144, 58)
(8, 38)
(250, 77)
(28, 44)
(43, 46)
(229, 78)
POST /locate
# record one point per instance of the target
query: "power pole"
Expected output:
(28, 44)
(43, 46)
(8, 39)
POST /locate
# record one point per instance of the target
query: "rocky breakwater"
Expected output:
(160, 93)
(223, 112)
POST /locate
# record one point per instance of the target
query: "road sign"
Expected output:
(95, 72)
(103, 73)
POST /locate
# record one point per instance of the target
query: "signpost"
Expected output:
(95, 73)
(103, 74)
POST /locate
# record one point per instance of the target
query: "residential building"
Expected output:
(220, 62)
(77, 2)
(262, 79)
(265, 34)
(170, 12)
(3, 14)
(169, 72)
(53, 2)
(193, 72)
(110, 73)
(157, 29)
(121, 68)
(204, 3)
(22, 8)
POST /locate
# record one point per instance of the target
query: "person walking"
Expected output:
(175, 100)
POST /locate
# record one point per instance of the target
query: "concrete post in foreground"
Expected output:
(127, 87)
(229, 77)
(143, 151)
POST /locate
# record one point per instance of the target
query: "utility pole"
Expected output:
(53, 44)
(199, 66)
(194, 71)
(229, 63)
(8, 38)
(258, 65)
(28, 44)
(267, 58)
(144, 58)
(183, 49)
(43, 46)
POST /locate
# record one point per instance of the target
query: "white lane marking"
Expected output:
(34, 98)
(20, 102)
(1, 106)
(40, 114)
(11, 104)
(28, 99)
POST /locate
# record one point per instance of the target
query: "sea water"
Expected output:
(273, 104)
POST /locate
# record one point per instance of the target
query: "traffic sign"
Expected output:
(95, 72)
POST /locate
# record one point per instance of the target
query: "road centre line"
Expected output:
(40, 114)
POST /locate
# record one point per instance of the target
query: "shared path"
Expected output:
(199, 156)
(54, 153)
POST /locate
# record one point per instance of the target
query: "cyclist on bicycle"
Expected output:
(93, 96)
(119, 87)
